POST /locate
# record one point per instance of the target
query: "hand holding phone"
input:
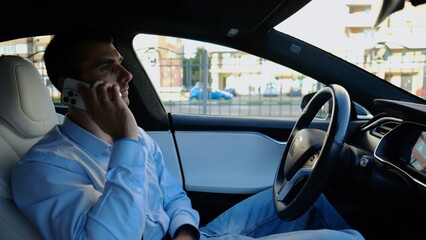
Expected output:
(70, 95)
(110, 113)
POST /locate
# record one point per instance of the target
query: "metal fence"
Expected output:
(243, 105)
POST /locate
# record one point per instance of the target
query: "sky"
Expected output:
(318, 23)
(321, 22)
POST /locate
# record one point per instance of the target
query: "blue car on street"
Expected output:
(197, 93)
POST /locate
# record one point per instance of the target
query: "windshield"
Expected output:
(395, 50)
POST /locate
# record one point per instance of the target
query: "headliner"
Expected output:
(198, 19)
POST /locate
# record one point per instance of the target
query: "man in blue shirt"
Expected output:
(100, 176)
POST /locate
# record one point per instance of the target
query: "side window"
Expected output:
(194, 77)
(32, 48)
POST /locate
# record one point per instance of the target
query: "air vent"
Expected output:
(383, 128)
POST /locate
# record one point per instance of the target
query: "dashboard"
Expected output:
(404, 148)
(397, 139)
(388, 179)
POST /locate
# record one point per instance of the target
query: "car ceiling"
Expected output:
(204, 18)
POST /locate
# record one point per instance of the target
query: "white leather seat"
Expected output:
(26, 114)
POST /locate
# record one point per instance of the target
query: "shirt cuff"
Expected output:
(128, 152)
(179, 221)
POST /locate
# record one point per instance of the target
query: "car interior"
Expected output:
(370, 180)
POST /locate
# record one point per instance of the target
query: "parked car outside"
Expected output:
(231, 91)
(197, 93)
(294, 92)
(421, 92)
(270, 91)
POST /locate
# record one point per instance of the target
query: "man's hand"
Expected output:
(187, 232)
(108, 110)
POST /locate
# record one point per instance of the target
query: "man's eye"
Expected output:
(106, 68)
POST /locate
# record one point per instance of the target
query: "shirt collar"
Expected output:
(87, 141)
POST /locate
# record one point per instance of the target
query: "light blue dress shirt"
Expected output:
(72, 185)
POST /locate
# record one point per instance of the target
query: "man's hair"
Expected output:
(62, 58)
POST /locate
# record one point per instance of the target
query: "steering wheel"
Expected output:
(311, 155)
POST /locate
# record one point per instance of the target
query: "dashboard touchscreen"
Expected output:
(418, 154)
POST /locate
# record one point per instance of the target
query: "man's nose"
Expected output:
(125, 76)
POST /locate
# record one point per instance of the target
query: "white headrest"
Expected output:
(25, 104)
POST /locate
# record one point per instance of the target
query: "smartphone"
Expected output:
(70, 95)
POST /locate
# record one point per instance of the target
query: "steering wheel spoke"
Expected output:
(289, 189)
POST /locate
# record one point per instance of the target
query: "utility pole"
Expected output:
(205, 75)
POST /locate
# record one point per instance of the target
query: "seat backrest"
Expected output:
(26, 114)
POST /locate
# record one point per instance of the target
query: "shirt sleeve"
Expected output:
(65, 204)
(122, 208)
(176, 202)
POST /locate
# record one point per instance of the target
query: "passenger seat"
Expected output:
(26, 114)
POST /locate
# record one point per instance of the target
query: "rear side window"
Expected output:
(33, 49)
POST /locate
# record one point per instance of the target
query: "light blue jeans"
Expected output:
(255, 218)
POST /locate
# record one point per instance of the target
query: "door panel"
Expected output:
(228, 162)
(227, 155)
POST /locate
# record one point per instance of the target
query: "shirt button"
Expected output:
(138, 189)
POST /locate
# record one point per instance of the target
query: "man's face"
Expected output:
(101, 61)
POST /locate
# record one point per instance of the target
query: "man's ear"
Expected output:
(61, 83)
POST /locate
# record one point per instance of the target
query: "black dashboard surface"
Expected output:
(396, 140)
(403, 110)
